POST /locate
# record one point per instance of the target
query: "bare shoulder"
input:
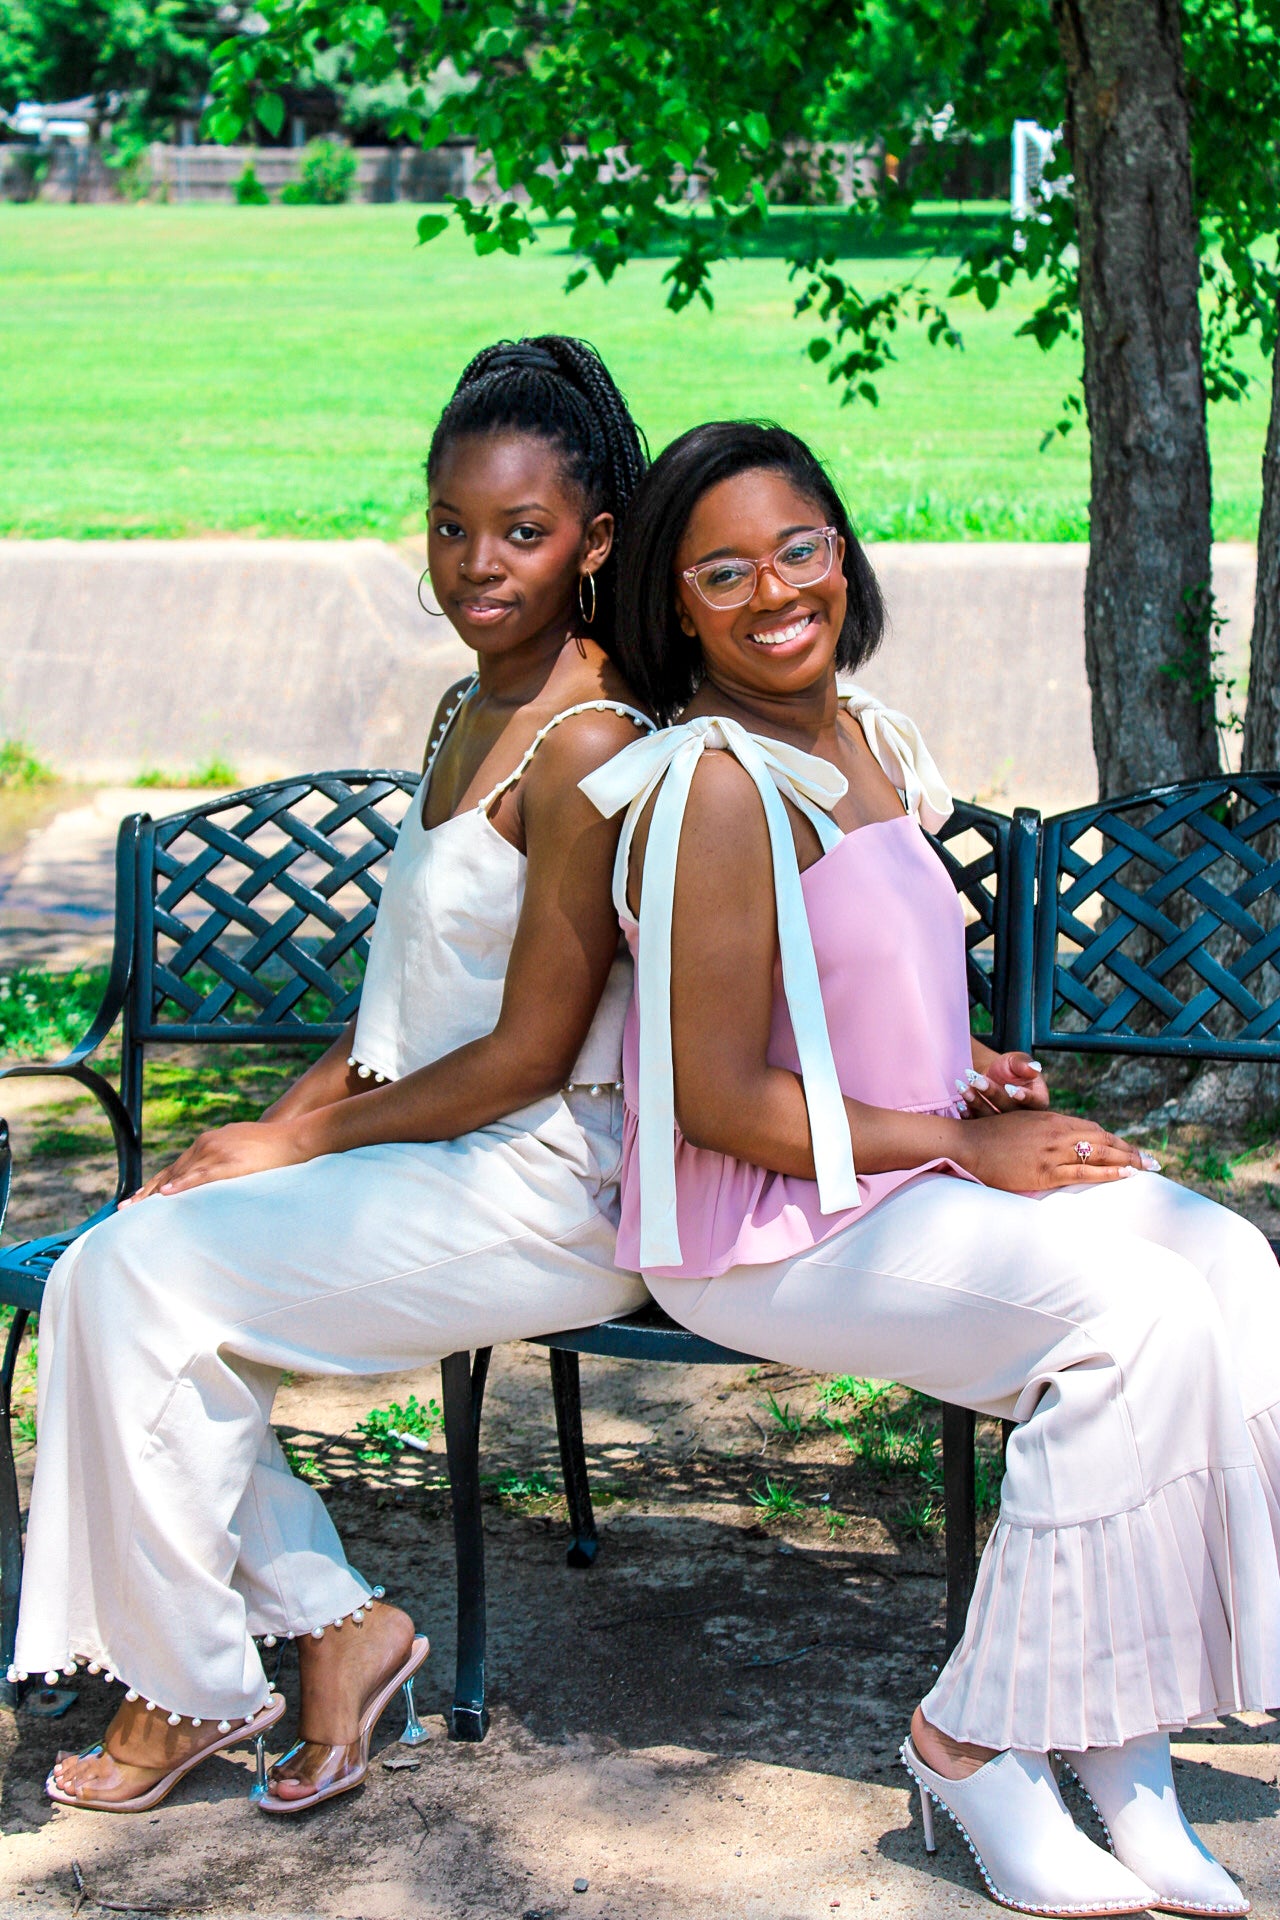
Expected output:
(724, 837)
(724, 806)
(576, 746)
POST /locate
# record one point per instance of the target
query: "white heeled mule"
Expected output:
(1132, 1792)
(1027, 1847)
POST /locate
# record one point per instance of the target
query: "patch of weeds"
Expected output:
(20, 771)
(525, 1491)
(1206, 1163)
(43, 1013)
(1263, 1130)
(792, 1424)
(776, 1500)
(988, 1474)
(859, 1395)
(893, 1431)
(66, 1143)
(835, 1523)
(303, 1466)
(921, 1519)
(214, 774)
(383, 1427)
(24, 1426)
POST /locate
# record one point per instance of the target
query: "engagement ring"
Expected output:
(1083, 1150)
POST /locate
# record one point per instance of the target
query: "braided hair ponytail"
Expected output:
(560, 390)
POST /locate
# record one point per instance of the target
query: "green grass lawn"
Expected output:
(172, 370)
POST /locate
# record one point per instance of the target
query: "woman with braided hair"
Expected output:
(442, 1179)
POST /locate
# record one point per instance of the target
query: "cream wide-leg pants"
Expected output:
(1132, 1582)
(166, 1529)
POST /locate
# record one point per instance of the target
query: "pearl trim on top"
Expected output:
(483, 806)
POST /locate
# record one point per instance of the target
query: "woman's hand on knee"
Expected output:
(1045, 1151)
(226, 1153)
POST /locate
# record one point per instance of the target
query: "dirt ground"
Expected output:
(702, 1726)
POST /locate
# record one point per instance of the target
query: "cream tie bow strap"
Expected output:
(895, 737)
(667, 760)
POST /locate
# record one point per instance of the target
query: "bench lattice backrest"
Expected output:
(1158, 928)
(253, 912)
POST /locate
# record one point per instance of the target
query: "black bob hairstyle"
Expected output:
(558, 390)
(660, 660)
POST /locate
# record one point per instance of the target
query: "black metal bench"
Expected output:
(246, 919)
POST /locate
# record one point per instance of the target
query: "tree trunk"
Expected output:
(1262, 715)
(1147, 593)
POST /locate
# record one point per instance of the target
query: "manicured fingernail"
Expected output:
(1150, 1162)
(1128, 1173)
(962, 1086)
(1015, 1093)
(977, 1079)
(167, 1187)
(1035, 1066)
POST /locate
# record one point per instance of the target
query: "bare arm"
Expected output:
(560, 959)
(329, 1078)
(563, 949)
(731, 1100)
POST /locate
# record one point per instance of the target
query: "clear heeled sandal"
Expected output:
(340, 1768)
(254, 1729)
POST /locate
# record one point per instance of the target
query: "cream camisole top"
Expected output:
(442, 940)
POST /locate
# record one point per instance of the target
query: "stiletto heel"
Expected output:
(926, 1819)
(414, 1732)
(258, 1791)
(1024, 1843)
(343, 1767)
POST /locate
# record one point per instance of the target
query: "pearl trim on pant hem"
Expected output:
(356, 1615)
(70, 1671)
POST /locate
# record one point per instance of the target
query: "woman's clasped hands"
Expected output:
(1050, 1149)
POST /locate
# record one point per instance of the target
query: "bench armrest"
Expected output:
(123, 1132)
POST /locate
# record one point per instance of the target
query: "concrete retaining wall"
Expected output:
(282, 655)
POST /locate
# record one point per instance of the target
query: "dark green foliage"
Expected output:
(157, 54)
(325, 178)
(727, 95)
(250, 191)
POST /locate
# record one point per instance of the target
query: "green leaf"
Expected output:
(431, 225)
(225, 125)
(575, 280)
(270, 111)
(757, 129)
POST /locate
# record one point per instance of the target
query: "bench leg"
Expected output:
(462, 1387)
(10, 1518)
(573, 1457)
(958, 1484)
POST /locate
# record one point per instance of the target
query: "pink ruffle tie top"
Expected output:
(870, 993)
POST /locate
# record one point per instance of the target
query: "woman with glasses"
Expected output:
(822, 1165)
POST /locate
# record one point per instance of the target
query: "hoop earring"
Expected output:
(582, 605)
(433, 611)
